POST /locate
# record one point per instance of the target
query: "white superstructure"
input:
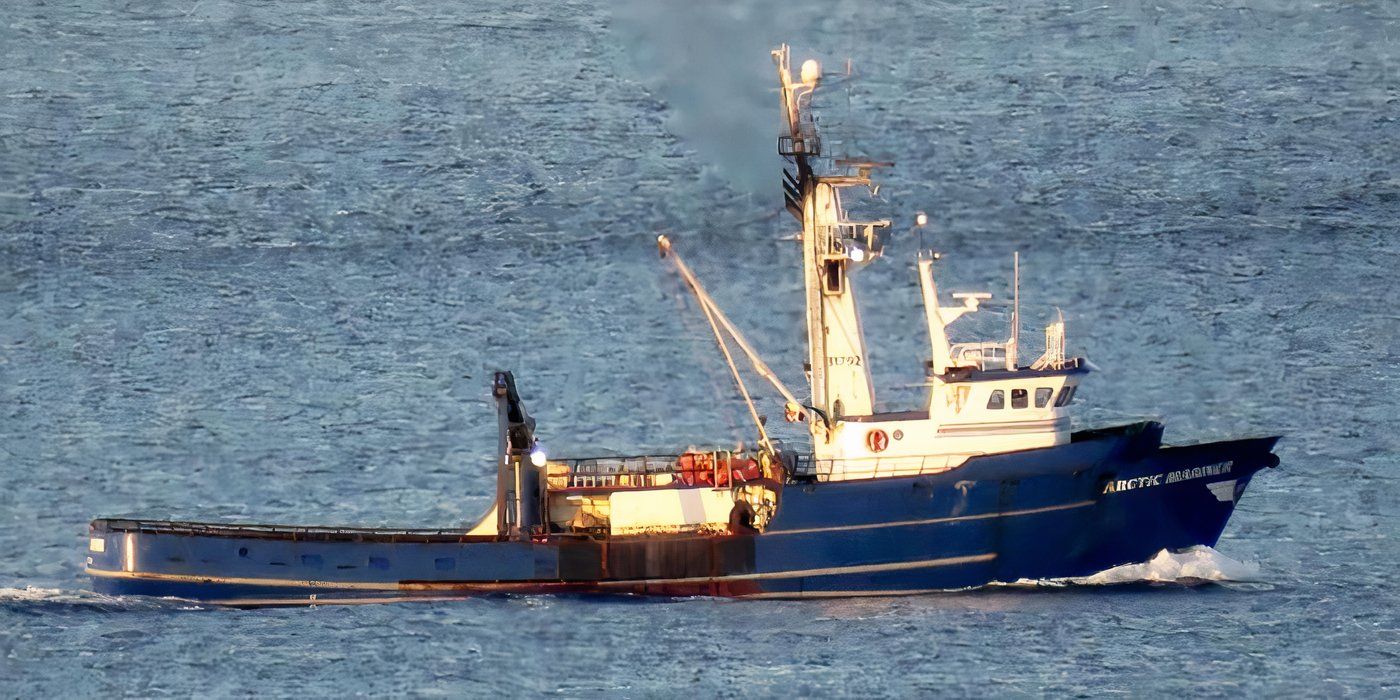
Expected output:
(981, 401)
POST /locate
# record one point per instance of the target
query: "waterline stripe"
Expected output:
(309, 602)
(847, 594)
(377, 600)
(450, 585)
(929, 521)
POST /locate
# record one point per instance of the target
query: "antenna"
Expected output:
(1015, 310)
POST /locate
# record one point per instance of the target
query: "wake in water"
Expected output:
(32, 598)
(1196, 564)
(1188, 567)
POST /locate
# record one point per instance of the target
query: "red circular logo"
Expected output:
(877, 440)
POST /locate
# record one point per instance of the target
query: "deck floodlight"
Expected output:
(811, 72)
(537, 455)
(857, 252)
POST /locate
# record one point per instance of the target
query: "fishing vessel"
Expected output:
(982, 481)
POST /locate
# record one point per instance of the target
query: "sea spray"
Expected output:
(1191, 564)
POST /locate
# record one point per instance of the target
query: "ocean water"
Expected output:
(258, 260)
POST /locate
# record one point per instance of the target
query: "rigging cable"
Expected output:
(734, 370)
(708, 303)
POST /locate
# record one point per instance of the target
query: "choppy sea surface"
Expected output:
(258, 259)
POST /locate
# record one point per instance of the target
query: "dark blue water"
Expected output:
(258, 259)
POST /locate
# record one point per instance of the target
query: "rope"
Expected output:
(708, 304)
(734, 370)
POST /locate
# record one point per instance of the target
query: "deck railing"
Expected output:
(643, 471)
(638, 471)
(980, 355)
(877, 467)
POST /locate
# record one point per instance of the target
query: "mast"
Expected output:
(832, 247)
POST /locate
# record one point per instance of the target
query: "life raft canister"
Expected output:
(698, 468)
(694, 468)
(744, 470)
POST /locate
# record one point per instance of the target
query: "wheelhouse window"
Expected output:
(1019, 398)
(1066, 396)
(997, 400)
(1042, 396)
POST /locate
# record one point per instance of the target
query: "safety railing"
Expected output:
(877, 467)
(987, 355)
(600, 472)
(806, 142)
(641, 471)
(805, 145)
(867, 236)
(1054, 357)
(286, 532)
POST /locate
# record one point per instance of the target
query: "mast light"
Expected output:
(920, 222)
(856, 252)
(811, 72)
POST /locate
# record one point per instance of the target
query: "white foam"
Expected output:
(1195, 564)
(30, 593)
(37, 595)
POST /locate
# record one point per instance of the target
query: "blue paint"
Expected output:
(1037, 514)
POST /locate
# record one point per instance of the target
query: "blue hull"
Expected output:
(1108, 498)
